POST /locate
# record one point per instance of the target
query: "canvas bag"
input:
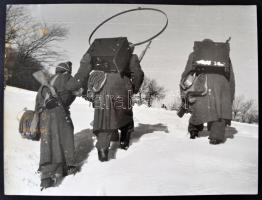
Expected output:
(29, 125)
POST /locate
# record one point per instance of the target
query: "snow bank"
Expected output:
(161, 160)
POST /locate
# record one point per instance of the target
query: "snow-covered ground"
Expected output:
(161, 160)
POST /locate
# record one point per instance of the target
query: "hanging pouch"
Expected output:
(96, 82)
(195, 85)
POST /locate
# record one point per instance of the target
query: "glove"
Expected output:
(89, 96)
(85, 97)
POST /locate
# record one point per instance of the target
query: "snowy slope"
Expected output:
(161, 160)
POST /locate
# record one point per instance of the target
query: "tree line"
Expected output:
(242, 110)
(28, 45)
(245, 110)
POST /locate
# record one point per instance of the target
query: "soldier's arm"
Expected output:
(188, 68)
(137, 74)
(81, 77)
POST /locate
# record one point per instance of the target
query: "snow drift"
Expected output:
(161, 160)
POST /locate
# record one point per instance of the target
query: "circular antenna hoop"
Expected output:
(131, 10)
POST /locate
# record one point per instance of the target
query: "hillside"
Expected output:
(161, 160)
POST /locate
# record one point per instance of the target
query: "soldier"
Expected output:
(111, 94)
(57, 157)
(215, 104)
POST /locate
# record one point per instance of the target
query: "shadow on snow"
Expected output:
(229, 134)
(139, 131)
(84, 144)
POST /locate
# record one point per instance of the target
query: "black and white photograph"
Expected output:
(130, 100)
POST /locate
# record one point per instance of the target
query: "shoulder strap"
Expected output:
(51, 85)
(57, 96)
(53, 79)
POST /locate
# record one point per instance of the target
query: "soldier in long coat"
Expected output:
(114, 108)
(112, 103)
(215, 107)
(57, 157)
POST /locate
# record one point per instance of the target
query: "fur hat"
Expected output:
(63, 67)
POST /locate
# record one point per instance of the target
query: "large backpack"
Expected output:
(110, 54)
(211, 57)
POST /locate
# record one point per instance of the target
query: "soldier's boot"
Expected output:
(124, 145)
(124, 140)
(193, 134)
(215, 141)
(103, 155)
(72, 170)
(47, 182)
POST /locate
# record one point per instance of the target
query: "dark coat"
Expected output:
(57, 135)
(113, 108)
(113, 104)
(217, 103)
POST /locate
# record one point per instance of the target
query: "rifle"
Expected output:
(43, 78)
(144, 51)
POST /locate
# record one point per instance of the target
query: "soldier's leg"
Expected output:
(217, 131)
(209, 125)
(103, 143)
(194, 130)
(125, 135)
(115, 136)
(103, 139)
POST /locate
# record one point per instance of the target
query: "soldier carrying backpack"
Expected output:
(110, 74)
(207, 89)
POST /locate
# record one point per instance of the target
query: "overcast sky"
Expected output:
(166, 59)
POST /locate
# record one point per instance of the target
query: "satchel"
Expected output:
(96, 82)
(194, 85)
(29, 125)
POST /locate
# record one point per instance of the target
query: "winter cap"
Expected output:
(63, 67)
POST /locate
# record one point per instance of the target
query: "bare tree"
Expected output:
(40, 42)
(251, 116)
(32, 39)
(16, 20)
(237, 104)
(142, 91)
(29, 41)
(153, 92)
(245, 108)
(176, 103)
(149, 91)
